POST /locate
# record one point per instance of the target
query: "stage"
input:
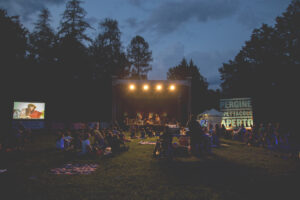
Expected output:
(170, 100)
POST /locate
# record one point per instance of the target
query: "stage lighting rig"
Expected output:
(146, 87)
(172, 87)
(159, 87)
(131, 87)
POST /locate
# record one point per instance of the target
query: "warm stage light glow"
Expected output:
(131, 87)
(172, 87)
(146, 87)
(159, 87)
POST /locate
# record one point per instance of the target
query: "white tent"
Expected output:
(210, 117)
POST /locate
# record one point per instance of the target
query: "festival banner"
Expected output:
(236, 112)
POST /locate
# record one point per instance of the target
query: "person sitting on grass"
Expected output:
(99, 145)
(108, 138)
(99, 141)
(20, 139)
(123, 137)
(149, 132)
(115, 144)
(60, 142)
(85, 145)
(76, 142)
(133, 132)
(166, 143)
(68, 140)
(143, 133)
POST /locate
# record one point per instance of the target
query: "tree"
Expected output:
(73, 54)
(185, 71)
(13, 48)
(73, 24)
(107, 53)
(13, 40)
(266, 68)
(43, 40)
(139, 56)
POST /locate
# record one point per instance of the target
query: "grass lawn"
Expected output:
(232, 172)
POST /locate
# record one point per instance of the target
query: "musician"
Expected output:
(157, 119)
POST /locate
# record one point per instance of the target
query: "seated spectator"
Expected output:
(109, 138)
(123, 138)
(60, 142)
(86, 145)
(143, 133)
(133, 132)
(68, 140)
(149, 132)
(20, 139)
(183, 141)
(77, 140)
(99, 141)
(115, 144)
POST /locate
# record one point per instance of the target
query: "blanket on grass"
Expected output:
(71, 169)
(146, 142)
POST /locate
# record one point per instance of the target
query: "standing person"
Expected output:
(195, 135)
(261, 134)
(167, 139)
(270, 135)
(224, 132)
(216, 135)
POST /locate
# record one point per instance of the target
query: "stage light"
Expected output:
(146, 87)
(172, 87)
(159, 87)
(131, 87)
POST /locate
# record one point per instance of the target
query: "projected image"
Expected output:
(28, 110)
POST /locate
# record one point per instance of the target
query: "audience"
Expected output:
(272, 136)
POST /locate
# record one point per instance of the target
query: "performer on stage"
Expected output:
(157, 119)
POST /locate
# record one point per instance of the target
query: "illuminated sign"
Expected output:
(236, 112)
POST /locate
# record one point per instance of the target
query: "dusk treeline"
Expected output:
(66, 68)
(72, 72)
(267, 69)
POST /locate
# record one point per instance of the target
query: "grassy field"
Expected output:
(232, 172)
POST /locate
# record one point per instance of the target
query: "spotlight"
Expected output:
(159, 87)
(131, 87)
(146, 87)
(172, 87)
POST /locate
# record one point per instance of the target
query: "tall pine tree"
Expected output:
(107, 52)
(139, 56)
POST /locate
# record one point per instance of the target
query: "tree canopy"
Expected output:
(139, 56)
(266, 67)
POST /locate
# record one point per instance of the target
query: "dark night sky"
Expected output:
(209, 31)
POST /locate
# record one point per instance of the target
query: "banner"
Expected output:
(236, 112)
